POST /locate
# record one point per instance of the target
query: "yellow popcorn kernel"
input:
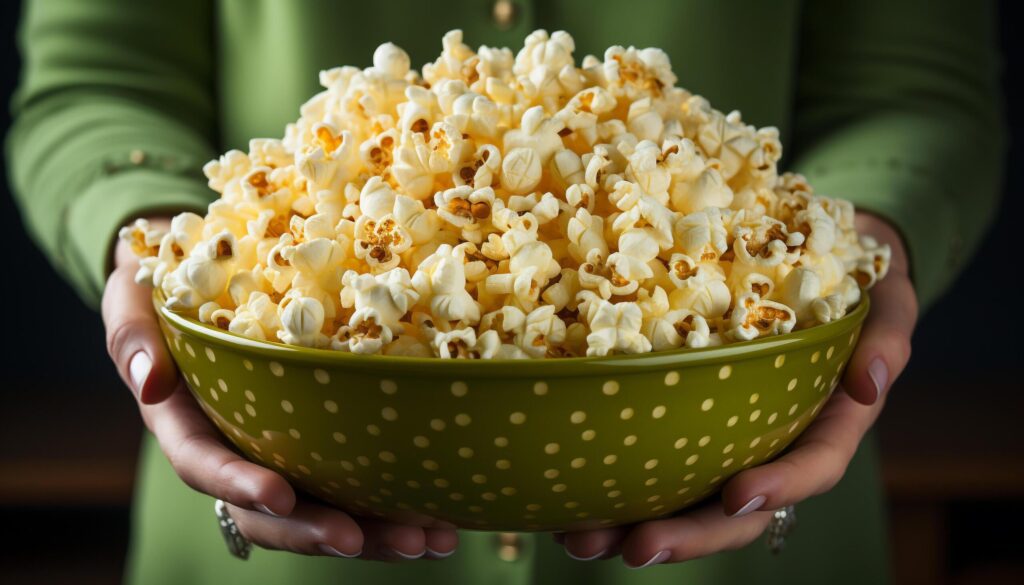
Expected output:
(873, 265)
(520, 170)
(481, 170)
(753, 317)
(364, 333)
(143, 240)
(379, 243)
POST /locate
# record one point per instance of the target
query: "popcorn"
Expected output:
(464, 344)
(615, 328)
(702, 234)
(699, 288)
(391, 295)
(380, 243)
(580, 115)
(800, 289)
(765, 243)
(197, 280)
(586, 235)
(603, 276)
(547, 64)
(143, 240)
(412, 170)
(873, 265)
(442, 279)
(752, 318)
(257, 317)
(365, 333)
(670, 329)
(420, 223)
(541, 331)
(818, 228)
(301, 323)
(481, 170)
(466, 209)
(520, 170)
(510, 206)
(562, 290)
(531, 264)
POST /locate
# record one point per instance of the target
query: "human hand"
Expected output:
(815, 462)
(265, 507)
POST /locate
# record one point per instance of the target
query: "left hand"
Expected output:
(815, 462)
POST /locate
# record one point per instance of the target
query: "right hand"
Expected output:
(263, 504)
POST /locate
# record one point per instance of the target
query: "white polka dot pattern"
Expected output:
(551, 453)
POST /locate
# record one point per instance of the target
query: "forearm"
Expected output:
(898, 110)
(112, 120)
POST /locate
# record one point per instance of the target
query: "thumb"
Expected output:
(134, 340)
(884, 347)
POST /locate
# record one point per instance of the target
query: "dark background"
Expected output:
(953, 451)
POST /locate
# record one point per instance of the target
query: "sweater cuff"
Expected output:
(918, 208)
(94, 218)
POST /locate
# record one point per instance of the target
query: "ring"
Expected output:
(781, 524)
(238, 545)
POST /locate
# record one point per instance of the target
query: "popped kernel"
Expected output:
(501, 205)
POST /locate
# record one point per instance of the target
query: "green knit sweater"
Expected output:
(893, 105)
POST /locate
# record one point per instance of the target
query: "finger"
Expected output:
(134, 341)
(588, 545)
(311, 529)
(814, 465)
(441, 543)
(884, 346)
(695, 534)
(195, 449)
(386, 541)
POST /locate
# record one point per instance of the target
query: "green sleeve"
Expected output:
(899, 111)
(113, 120)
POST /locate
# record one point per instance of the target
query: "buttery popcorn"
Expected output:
(500, 205)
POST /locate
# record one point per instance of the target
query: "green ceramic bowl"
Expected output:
(533, 445)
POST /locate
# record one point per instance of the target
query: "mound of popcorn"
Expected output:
(500, 205)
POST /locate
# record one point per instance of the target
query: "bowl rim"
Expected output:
(555, 367)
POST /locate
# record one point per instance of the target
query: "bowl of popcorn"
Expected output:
(511, 292)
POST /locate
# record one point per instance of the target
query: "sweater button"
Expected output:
(504, 13)
(509, 546)
(136, 157)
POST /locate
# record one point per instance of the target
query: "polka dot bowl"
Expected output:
(547, 445)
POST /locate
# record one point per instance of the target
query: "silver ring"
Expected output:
(782, 523)
(238, 545)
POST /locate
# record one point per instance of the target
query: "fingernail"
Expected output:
(754, 504)
(585, 558)
(658, 558)
(139, 368)
(405, 556)
(879, 374)
(439, 555)
(267, 511)
(330, 550)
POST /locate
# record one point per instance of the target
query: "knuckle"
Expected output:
(183, 457)
(225, 480)
(831, 477)
(276, 533)
(121, 334)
